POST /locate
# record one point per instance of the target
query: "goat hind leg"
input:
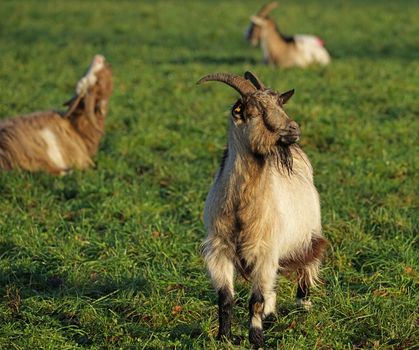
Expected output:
(307, 277)
(302, 297)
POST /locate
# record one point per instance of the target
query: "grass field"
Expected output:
(109, 258)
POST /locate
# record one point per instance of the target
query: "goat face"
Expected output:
(102, 89)
(253, 32)
(261, 25)
(93, 91)
(258, 119)
(252, 35)
(261, 123)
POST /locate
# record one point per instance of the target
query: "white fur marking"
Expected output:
(256, 322)
(270, 304)
(89, 79)
(53, 149)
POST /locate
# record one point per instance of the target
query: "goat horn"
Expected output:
(73, 103)
(254, 80)
(264, 11)
(242, 86)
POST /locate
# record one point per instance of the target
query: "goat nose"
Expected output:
(293, 126)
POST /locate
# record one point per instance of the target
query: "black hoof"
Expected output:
(236, 339)
(269, 320)
(256, 338)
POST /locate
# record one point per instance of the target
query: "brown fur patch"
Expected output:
(314, 252)
(257, 308)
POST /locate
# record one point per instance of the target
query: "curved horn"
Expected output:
(72, 105)
(264, 11)
(255, 80)
(241, 85)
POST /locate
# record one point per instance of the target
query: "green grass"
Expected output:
(109, 258)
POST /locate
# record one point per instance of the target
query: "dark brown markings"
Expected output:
(314, 252)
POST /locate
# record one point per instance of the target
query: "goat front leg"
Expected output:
(256, 305)
(262, 303)
(221, 270)
(225, 313)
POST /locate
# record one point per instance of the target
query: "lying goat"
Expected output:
(287, 51)
(252, 33)
(56, 142)
(262, 213)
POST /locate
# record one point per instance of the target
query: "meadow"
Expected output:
(109, 258)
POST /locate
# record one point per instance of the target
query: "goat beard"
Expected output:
(282, 157)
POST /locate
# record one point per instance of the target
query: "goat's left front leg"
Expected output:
(262, 303)
(256, 305)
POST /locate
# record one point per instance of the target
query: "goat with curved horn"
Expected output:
(300, 50)
(262, 214)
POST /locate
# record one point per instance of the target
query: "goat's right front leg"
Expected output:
(221, 270)
(225, 313)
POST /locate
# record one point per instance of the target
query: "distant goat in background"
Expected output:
(58, 141)
(262, 213)
(281, 50)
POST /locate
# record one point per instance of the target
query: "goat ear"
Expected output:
(284, 97)
(259, 21)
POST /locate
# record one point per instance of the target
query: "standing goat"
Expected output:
(262, 213)
(56, 142)
(286, 51)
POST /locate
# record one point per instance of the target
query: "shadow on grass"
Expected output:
(374, 52)
(190, 331)
(37, 278)
(209, 60)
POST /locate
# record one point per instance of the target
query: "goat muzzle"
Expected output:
(290, 135)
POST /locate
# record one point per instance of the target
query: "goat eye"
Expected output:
(237, 110)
